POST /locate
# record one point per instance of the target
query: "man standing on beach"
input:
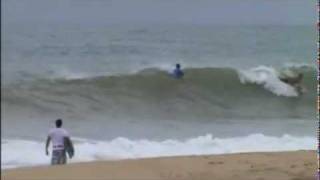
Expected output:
(61, 143)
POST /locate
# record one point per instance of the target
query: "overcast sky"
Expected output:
(160, 11)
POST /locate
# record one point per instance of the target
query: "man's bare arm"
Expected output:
(47, 144)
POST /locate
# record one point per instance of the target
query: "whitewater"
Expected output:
(123, 148)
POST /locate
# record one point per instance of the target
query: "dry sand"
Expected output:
(298, 165)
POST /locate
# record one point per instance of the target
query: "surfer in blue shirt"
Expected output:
(177, 73)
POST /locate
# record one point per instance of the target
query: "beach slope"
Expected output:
(298, 165)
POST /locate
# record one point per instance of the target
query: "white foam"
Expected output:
(65, 73)
(16, 153)
(299, 65)
(269, 79)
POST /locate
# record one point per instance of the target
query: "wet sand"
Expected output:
(297, 165)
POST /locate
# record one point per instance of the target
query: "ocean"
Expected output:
(111, 86)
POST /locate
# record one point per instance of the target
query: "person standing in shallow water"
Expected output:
(61, 143)
(177, 72)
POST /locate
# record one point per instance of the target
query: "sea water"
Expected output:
(111, 86)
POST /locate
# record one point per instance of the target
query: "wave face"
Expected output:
(14, 151)
(204, 93)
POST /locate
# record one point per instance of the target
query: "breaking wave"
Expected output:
(152, 94)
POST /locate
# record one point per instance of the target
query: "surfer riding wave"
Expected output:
(295, 82)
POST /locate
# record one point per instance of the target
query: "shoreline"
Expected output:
(286, 165)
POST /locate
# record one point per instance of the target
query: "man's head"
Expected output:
(58, 123)
(178, 66)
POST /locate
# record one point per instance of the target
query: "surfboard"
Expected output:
(69, 147)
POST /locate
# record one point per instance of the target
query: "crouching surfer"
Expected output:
(61, 144)
(295, 82)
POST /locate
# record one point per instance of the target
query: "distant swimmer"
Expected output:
(61, 144)
(177, 73)
(295, 82)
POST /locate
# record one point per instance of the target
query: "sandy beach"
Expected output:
(298, 165)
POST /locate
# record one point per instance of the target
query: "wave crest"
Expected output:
(204, 93)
